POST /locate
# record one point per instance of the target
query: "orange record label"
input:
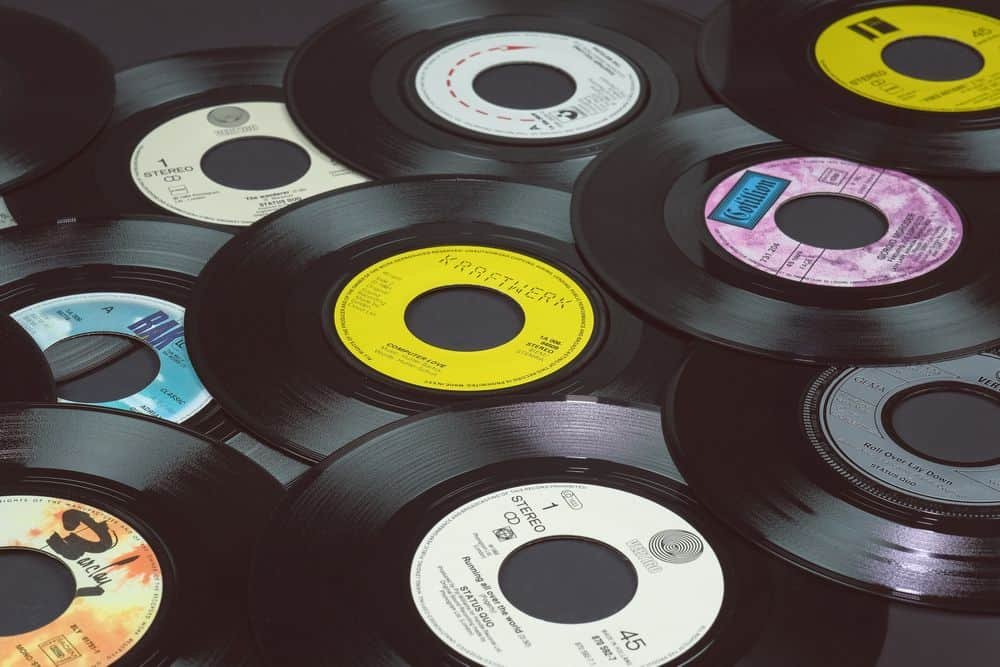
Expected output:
(119, 582)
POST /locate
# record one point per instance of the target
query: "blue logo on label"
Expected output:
(749, 200)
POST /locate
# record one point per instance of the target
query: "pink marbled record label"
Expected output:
(924, 228)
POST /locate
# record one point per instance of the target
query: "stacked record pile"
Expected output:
(514, 333)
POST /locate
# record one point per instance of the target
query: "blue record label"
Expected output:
(176, 394)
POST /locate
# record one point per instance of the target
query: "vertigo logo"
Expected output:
(676, 547)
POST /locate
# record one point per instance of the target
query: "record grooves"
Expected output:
(811, 472)
(413, 102)
(310, 348)
(46, 69)
(21, 358)
(129, 277)
(387, 512)
(130, 508)
(168, 117)
(706, 251)
(818, 74)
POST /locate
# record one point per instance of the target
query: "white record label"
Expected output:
(166, 164)
(454, 579)
(608, 87)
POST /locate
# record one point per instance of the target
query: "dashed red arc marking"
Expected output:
(451, 90)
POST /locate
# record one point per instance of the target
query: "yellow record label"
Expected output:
(370, 318)
(850, 52)
(119, 583)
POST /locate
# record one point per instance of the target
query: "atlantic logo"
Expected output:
(752, 196)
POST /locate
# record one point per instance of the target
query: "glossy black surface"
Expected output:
(26, 374)
(378, 498)
(758, 56)
(760, 470)
(369, 124)
(167, 481)
(258, 321)
(155, 256)
(646, 238)
(57, 92)
(98, 181)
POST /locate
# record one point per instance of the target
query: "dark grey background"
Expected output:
(134, 31)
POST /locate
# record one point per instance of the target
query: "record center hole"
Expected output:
(568, 580)
(101, 367)
(464, 318)
(933, 58)
(524, 86)
(37, 589)
(951, 423)
(832, 221)
(256, 163)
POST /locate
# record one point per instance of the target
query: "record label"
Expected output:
(558, 318)
(607, 87)
(6, 218)
(850, 52)
(455, 578)
(923, 228)
(118, 578)
(177, 393)
(166, 165)
(852, 411)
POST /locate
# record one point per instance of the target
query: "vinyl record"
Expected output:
(913, 86)
(757, 244)
(353, 310)
(106, 300)
(204, 135)
(526, 89)
(27, 376)
(522, 537)
(116, 545)
(57, 92)
(883, 478)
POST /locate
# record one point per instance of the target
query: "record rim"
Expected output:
(67, 255)
(46, 468)
(666, 474)
(543, 173)
(873, 126)
(629, 326)
(16, 176)
(19, 352)
(855, 500)
(699, 281)
(173, 83)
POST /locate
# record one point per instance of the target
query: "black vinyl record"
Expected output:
(27, 376)
(353, 310)
(57, 90)
(907, 86)
(106, 300)
(202, 135)
(709, 225)
(455, 538)
(118, 546)
(882, 478)
(524, 89)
